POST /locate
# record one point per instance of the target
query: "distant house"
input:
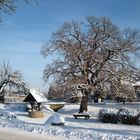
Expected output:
(137, 88)
(14, 98)
(11, 98)
(35, 98)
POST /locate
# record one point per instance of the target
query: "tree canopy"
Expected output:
(91, 53)
(12, 78)
(7, 6)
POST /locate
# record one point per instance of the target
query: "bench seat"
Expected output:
(86, 116)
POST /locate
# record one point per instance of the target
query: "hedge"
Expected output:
(122, 115)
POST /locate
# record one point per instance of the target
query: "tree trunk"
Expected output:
(83, 105)
(84, 101)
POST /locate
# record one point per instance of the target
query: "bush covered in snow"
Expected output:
(124, 115)
(108, 115)
(57, 120)
(127, 116)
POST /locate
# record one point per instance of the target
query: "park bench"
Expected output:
(86, 116)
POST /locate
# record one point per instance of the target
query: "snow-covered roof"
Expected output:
(37, 95)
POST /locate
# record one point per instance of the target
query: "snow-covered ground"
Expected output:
(8, 134)
(74, 129)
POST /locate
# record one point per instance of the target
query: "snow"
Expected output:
(130, 112)
(74, 129)
(6, 134)
(109, 111)
(56, 103)
(39, 96)
(57, 119)
(84, 113)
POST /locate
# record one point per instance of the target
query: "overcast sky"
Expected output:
(23, 33)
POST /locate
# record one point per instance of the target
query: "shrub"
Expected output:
(138, 118)
(108, 115)
(126, 116)
(121, 113)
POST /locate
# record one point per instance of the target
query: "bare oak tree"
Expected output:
(91, 53)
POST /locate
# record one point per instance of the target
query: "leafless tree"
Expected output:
(7, 6)
(91, 53)
(8, 77)
(55, 92)
(10, 6)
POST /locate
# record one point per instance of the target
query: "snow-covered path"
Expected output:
(8, 134)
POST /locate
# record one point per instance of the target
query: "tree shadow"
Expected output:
(108, 130)
(22, 114)
(65, 111)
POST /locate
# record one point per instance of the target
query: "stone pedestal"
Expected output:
(36, 114)
(56, 107)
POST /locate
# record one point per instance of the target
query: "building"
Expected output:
(137, 88)
(35, 98)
